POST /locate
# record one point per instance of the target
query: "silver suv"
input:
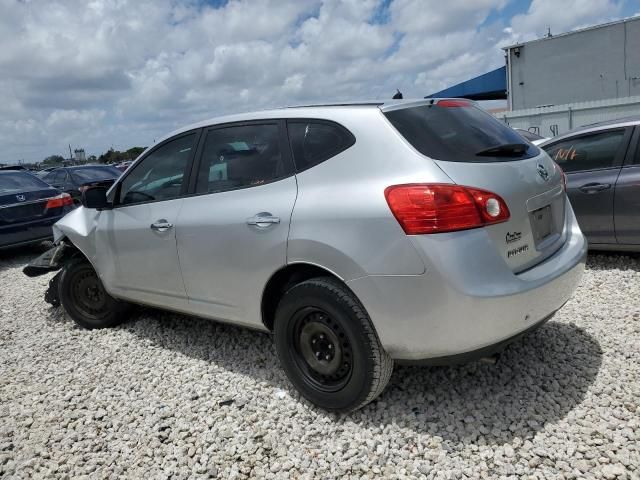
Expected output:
(360, 234)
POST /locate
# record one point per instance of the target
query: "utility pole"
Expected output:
(70, 155)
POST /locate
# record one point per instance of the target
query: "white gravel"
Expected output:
(166, 395)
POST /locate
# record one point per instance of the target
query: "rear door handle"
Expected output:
(594, 187)
(263, 219)
(161, 225)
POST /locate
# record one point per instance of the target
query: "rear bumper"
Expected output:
(468, 299)
(27, 232)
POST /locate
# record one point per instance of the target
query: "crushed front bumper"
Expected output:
(49, 261)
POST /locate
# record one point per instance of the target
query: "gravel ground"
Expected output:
(171, 396)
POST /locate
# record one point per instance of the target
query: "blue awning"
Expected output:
(489, 86)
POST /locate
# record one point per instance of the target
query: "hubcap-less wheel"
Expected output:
(88, 293)
(84, 298)
(323, 351)
(328, 347)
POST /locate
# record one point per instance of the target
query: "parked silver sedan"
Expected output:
(359, 234)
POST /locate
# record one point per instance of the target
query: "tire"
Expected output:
(84, 298)
(328, 347)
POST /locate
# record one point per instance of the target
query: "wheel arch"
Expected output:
(285, 278)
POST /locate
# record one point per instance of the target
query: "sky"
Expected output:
(97, 74)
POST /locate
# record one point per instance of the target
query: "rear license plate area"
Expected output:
(542, 223)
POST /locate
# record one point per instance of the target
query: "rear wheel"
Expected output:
(84, 298)
(328, 346)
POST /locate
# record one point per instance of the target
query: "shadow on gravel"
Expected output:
(538, 379)
(602, 260)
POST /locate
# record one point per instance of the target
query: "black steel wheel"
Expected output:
(84, 298)
(323, 350)
(328, 346)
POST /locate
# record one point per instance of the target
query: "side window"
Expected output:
(241, 156)
(50, 177)
(590, 152)
(314, 142)
(57, 177)
(160, 175)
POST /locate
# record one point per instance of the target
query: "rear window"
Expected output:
(88, 174)
(460, 132)
(16, 182)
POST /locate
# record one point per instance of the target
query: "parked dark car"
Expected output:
(44, 172)
(28, 208)
(602, 163)
(74, 180)
(124, 166)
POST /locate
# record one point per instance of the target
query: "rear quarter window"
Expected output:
(314, 142)
(457, 133)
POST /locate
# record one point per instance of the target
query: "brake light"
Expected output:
(62, 200)
(437, 208)
(454, 103)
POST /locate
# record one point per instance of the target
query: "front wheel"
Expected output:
(84, 298)
(328, 346)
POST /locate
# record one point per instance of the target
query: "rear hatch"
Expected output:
(23, 198)
(476, 150)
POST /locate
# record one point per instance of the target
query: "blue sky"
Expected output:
(125, 72)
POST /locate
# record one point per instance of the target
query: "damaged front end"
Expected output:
(50, 261)
(73, 235)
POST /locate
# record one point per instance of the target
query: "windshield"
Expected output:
(18, 181)
(457, 131)
(94, 174)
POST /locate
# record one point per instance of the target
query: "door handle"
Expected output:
(263, 219)
(161, 225)
(594, 187)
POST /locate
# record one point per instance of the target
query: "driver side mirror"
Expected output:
(95, 197)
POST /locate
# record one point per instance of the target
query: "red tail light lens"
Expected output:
(62, 200)
(437, 208)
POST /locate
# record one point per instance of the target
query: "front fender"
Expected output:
(79, 227)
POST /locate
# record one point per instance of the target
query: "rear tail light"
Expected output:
(62, 200)
(437, 208)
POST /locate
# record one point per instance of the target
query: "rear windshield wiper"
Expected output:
(505, 150)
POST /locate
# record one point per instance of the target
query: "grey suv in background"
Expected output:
(602, 163)
(418, 231)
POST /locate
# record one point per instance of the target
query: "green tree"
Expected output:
(134, 152)
(116, 156)
(53, 160)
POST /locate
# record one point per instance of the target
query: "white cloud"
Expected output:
(562, 16)
(124, 72)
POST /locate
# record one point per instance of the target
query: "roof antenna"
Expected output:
(397, 95)
(549, 34)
